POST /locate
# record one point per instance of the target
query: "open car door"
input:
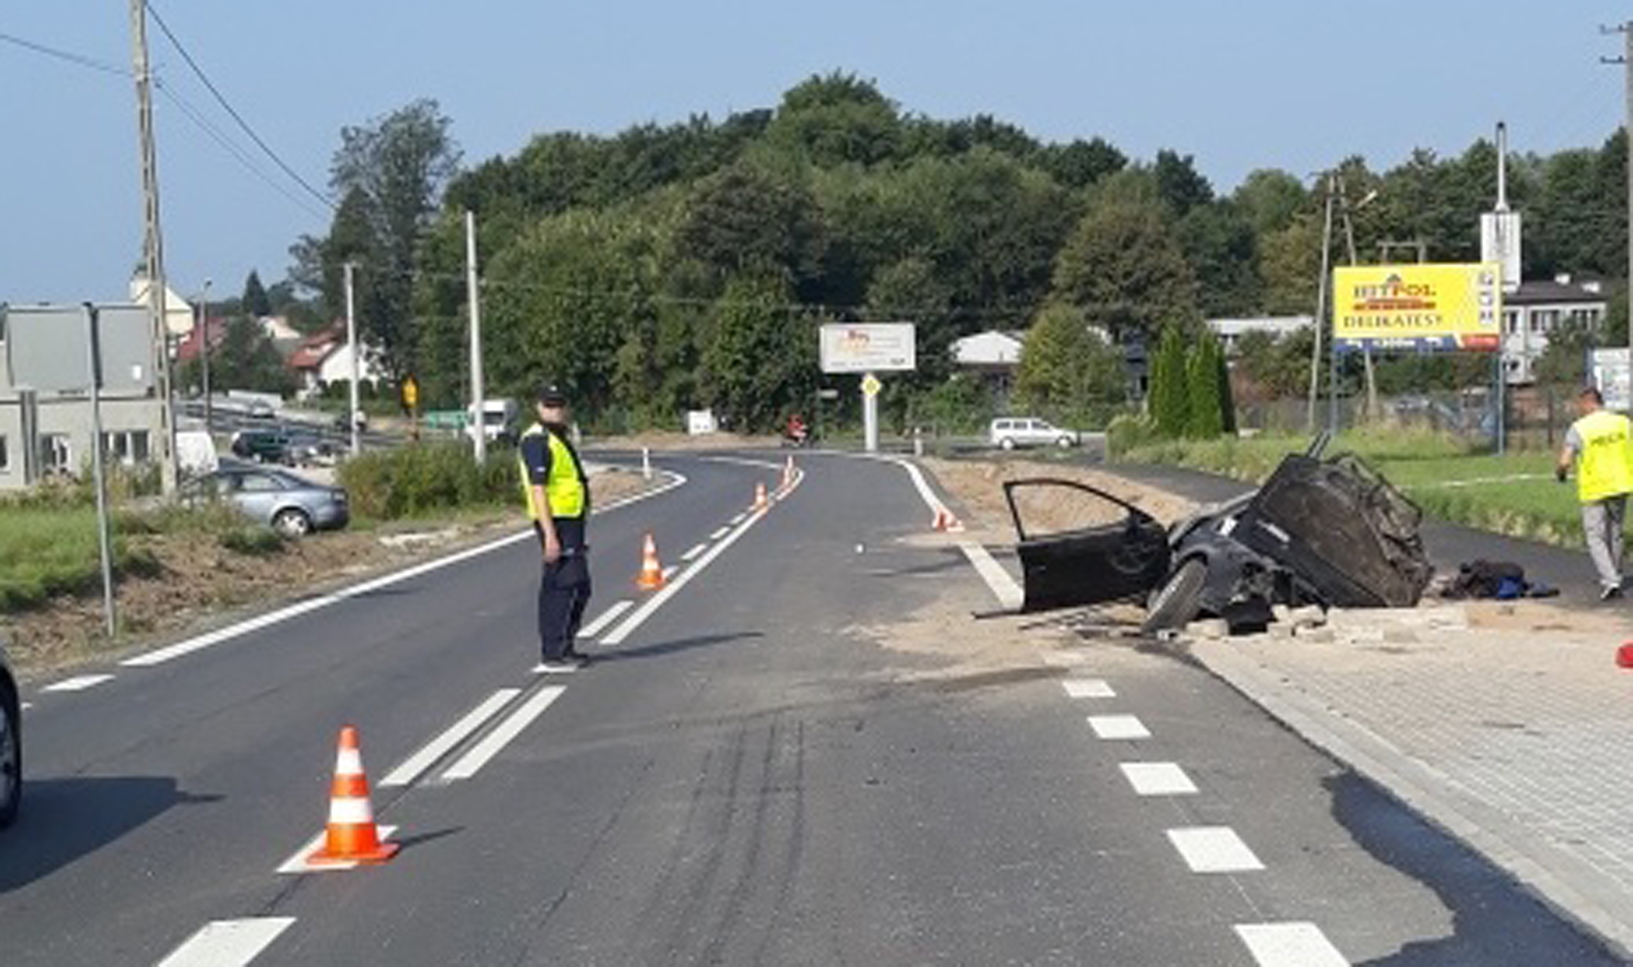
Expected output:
(1109, 551)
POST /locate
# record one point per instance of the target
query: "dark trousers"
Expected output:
(564, 590)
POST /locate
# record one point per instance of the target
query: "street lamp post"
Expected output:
(204, 355)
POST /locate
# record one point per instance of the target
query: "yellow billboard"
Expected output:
(1422, 307)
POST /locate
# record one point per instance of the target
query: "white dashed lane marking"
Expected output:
(1158, 779)
(79, 684)
(1118, 727)
(694, 552)
(1290, 945)
(228, 943)
(1213, 849)
(670, 571)
(722, 532)
(440, 746)
(606, 618)
(297, 863)
(502, 735)
(1087, 688)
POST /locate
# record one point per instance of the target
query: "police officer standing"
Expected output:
(1602, 442)
(558, 502)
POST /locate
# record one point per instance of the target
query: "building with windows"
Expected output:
(1536, 310)
(45, 402)
(1231, 331)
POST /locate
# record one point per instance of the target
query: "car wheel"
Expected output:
(1064, 442)
(11, 758)
(1179, 600)
(292, 523)
(1007, 443)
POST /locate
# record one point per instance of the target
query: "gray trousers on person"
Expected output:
(1602, 521)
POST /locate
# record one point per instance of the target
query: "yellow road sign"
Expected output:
(411, 393)
(871, 385)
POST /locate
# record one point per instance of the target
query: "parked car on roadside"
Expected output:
(1025, 431)
(11, 743)
(262, 446)
(290, 505)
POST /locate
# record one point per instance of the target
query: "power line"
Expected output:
(63, 55)
(239, 118)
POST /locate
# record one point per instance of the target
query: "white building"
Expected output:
(326, 358)
(178, 312)
(1536, 310)
(1230, 331)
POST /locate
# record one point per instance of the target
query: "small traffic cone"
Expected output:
(761, 501)
(1624, 655)
(651, 578)
(352, 836)
(788, 474)
(945, 521)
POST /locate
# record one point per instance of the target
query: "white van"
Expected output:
(497, 416)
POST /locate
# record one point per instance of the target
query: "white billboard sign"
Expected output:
(872, 347)
(1610, 372)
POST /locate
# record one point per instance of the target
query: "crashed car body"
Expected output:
(1331, 533)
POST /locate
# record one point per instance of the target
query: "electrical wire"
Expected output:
(63, 55)
(233, 112)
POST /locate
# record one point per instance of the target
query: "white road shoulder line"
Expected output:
(1213, 849)
(1158, 779)
(606, 617)
(297, 863)
(722, 532)
(503, 734)
(1289, 945)
(171, 652)
(78, 684)
(1087, 688)
(694, 552)
(228, 943)
(440, 746)
(1118, 727)
(655, 602)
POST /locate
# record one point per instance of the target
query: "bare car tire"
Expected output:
(1064, 442)
(1006, 443)
(292, 523)
(11, 758)
(1179, 600)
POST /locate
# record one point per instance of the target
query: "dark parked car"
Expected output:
(1327, 532)
(290, 505)
(11, 744)
(263, 446)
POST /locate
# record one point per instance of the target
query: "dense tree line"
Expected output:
(684, 265)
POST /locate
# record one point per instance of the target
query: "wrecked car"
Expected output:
(1325, 532)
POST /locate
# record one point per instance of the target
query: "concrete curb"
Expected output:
(1557, 878)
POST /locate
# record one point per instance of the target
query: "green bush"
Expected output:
(252, 541)
(1128, 432)
(413, 481)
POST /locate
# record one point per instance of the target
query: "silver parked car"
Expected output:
(11, 744)
(1024, 431)
(290, 505)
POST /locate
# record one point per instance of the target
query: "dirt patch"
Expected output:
(201, 585)
(978, 486)
(1547, 618)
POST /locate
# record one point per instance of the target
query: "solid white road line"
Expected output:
(655, 602)
(1087, 688)
(606, 617)
(78, 684)
(722, 532)
(1118, 727)
(440, 746)
(161, 655)
(1289, 945)
(228, 943)
(1004, 588)
(1158, 779)
(1213, 849)
(502, 735)
(297, 863)
(694, 552)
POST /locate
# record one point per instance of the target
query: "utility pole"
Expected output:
(204, 356)
(1321, 304)
(480, 436)
(351, 343)
(1626, 60)
(153, 249)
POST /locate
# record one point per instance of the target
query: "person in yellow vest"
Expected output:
(558, 502)
(1601, 446)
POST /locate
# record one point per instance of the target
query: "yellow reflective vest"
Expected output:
(1606, 467)
(564, 488)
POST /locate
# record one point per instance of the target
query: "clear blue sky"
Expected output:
(1294, 84)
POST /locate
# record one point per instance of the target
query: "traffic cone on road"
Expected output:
(946, 521)
(352, 835)
(761, 501)
(788, 474)
(1624, 655)
(651, 578)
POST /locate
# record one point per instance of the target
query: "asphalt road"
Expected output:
(757, 771)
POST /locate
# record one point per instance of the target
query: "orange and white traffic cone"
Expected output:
(788, 474)
(761, 501)
(352, 836)
(651, 578)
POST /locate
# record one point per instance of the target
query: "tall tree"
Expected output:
(760, 359)
(256, 301)
(837, 119)
(1067, 371)
(1170, 390)
(1124, 267)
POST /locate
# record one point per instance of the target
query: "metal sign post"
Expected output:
(868, 348)
(97, 459)
(870, 412)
